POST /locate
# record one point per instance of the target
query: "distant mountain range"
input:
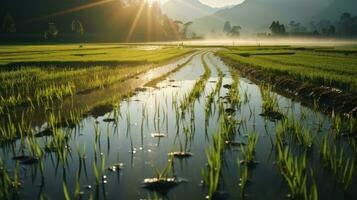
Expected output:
(187, 10)
(334, 9)
(256, 15)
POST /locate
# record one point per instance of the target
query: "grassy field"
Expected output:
(81, 127)
(335, 67)
(86, 53)
(47, 85)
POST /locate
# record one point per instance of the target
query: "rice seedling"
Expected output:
(9, 186)
(81, 154)
(96, 173)
(65, 191)
(184, 151)
(243, 178)
(211, 175)
(234, 116)
(249, 152)
(292, 128)
(270, 107)
(195, 93)
(233, 93)
(208, 105)
(162, 181)
(294, 172)
(341, 167)
(305, 67)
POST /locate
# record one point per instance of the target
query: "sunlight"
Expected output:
(178, 99)
(135, 22)
(71, 10)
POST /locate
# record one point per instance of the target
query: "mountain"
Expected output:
(337, 7)
(257, 15)
(187, 10)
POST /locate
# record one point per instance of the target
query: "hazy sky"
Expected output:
(216, 3)
(221, 3)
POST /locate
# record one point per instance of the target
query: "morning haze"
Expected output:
(178, 99)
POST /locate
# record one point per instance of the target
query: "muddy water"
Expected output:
(129, 140)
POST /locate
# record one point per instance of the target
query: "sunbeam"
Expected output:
(135, 22)
(71, 10)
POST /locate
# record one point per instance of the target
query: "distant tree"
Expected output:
(331, 30)
(178, 22)
(77, 27)
(316, 33)
(227, 28)
(185, 28)
(277, 29)
(235, 31)
(9, 25)
(345, 16)
(296, 27)
(348, 25)
(51, 32)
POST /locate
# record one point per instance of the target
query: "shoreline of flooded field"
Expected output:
(204, 130)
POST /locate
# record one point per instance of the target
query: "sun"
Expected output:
(154, 1)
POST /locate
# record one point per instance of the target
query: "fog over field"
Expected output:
(178, 99)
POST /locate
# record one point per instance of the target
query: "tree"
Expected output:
(296, 27)
(9, 25)
(52, 31)
(331, 30)
(348, 25)
(277, 29)
(185, 28)
(227, 28)
(345, 16)
(235, 31)
(77, 27)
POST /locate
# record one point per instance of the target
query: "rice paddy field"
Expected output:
(335, 67)
(166, 122)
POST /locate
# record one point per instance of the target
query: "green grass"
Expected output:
(30, 85)
(86, 53)
(329, 67)
(39, 89)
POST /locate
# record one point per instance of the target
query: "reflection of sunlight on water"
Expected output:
(255, 41)
(149, 75)
(148, 48)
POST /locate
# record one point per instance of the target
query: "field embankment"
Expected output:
(320, 76)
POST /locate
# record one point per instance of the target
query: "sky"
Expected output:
(221, 3)
(216, 3)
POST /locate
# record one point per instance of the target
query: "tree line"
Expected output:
(100, 20)
(345, 26)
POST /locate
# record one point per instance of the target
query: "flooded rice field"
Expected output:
(203, 132)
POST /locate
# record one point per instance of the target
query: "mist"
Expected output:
(273, 41)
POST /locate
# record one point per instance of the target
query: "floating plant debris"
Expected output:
(21, 158)
(143, 89)
(109, 120)
(158, 135)
(273, 115)
(179, 154)
(30, 161)
(232, 143)
(161, 184)
(116, 167)
(227, 86)
(230, 110)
